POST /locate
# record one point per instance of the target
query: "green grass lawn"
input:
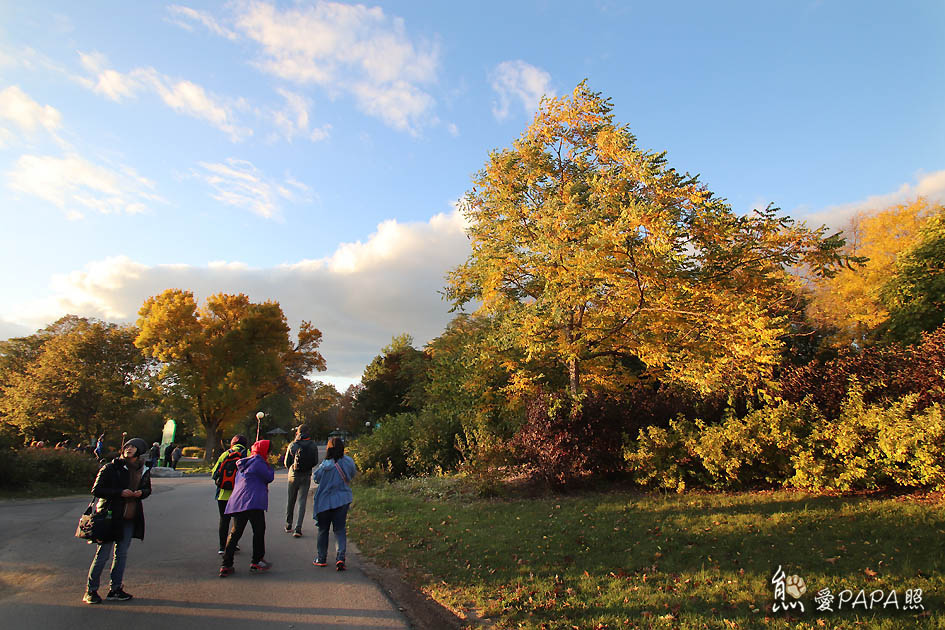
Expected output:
(623, 559)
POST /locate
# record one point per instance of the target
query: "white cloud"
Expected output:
(29, 115)
(72, 183)
(293, 118)
(519, 82)
(359, 297)
(180, 15)
(349, 49)
(929, 185)
(184, 97)
(400, 105)
(239, 183)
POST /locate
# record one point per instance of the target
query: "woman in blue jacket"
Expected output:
(248, 504)
(332, 499)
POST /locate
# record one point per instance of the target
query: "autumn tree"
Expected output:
(850, 303)
(227, 356)
(317, 407)
(602, 261)
(76, 378)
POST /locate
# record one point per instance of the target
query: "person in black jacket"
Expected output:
(301, 456)
(120, 486)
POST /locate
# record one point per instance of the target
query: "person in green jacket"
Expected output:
(223, 474)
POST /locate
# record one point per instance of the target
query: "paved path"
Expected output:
(173, 573)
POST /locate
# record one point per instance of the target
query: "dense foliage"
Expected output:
(630, 322)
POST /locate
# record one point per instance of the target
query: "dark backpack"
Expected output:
(225, 474)
(306, 456)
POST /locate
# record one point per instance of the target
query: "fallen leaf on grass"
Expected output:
(870, 572)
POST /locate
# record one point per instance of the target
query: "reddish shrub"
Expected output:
(563, 442)
(887, 373)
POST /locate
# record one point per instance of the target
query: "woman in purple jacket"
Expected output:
(248, 504)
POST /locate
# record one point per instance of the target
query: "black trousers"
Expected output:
(224, 523)
(256, 518)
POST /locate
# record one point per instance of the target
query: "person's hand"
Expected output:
(138, 493)
(126, 493)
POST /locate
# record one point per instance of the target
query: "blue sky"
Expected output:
(312, 152)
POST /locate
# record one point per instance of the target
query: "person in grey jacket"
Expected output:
(332, 499)
(301, 456)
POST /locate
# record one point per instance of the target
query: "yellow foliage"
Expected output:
(849, 302)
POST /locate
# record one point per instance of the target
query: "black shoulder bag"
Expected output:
(95, 525)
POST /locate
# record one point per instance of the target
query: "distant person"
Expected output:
(223, 474)
(248, 504)
(332, 499)
(168, 451)
(154, 454)
(301, 456)
(120, 485)
(100, 447)
(175, 456)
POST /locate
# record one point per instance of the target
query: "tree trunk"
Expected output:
(574, 376)
(212, 443)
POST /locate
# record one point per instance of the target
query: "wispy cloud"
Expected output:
(518, 82)
(29, 115)
(240, 184)
(292, 119)
(74, 184)
(929, 185)
(348, 49)
(185, 16)
(184, 97)
(359, 297)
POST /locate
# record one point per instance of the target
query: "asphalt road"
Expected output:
(173, 573)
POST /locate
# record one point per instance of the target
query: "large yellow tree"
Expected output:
(850, 303)
(602, 261)
(225, 357)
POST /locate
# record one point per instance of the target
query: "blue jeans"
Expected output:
(118, 561)
(336, 518)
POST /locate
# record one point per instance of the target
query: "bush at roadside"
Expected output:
(57, 467)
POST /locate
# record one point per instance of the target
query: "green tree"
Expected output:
(76, 378)
(601, 261)
(225, 357)
(394, 381)
(915, 295)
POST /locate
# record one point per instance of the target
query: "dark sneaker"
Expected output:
(225, 571)
(92, 597)
(221, 551)
(320, 563)
(297, 533)
(288, 528)
(260, 567)
(118, 596)
(340, 565)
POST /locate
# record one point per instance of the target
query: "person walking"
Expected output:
(248, 504)
(301, 456)
(332, 499)
(168, 451)
(223, 474)
(120, 486)
(175, 456)
(154, 454)
(100, 448)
